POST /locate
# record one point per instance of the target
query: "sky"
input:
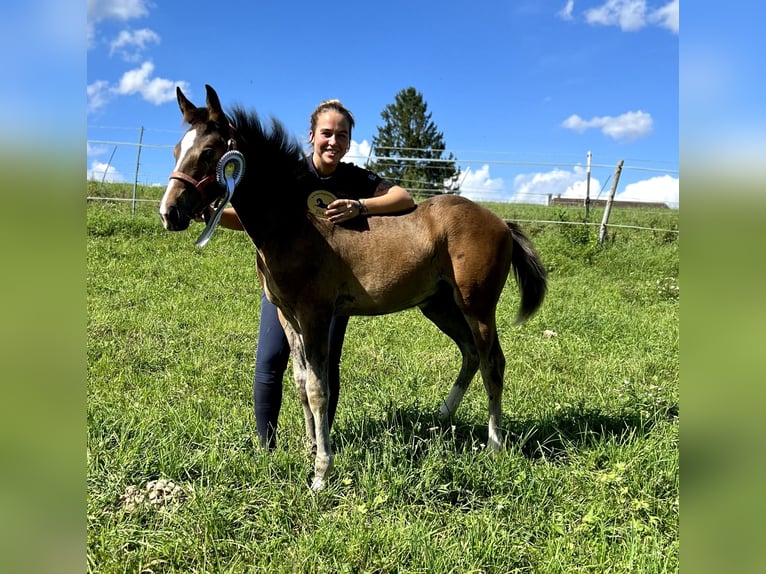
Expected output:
(522, 90)
(501, 80)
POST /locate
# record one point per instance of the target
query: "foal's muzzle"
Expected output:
(177, 215)
(174, 219)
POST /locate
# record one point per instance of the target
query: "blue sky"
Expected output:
(522, 90)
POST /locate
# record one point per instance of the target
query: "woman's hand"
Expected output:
(342, 210)
(204, 216)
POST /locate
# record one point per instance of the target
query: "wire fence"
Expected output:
(142, 167)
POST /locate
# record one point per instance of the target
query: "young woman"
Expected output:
(360, 192)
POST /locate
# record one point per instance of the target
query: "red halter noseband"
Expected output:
(202, 184)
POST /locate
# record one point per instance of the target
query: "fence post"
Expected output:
(135, 178)
(608, 208)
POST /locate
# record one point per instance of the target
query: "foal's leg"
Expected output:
(315, 341)
(479, 281)
(479, 344)
(300, 373)
(445, 314)
(492, 367)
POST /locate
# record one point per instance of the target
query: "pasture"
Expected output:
(589, 480)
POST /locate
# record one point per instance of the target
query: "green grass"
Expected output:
(588, 483)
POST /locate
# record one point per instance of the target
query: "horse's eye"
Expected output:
(206, 154)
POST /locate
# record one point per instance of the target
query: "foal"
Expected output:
(457, 259)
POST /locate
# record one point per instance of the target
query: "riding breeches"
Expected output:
(271, 359)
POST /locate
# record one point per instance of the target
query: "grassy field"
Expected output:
(588, 483)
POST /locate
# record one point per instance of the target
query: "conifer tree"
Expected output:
(409, 149)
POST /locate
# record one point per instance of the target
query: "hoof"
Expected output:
(444, 414)
(495, 444)
(318, 484)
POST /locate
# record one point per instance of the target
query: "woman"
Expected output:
(360, 192)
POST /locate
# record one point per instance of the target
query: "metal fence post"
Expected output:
(135, 179)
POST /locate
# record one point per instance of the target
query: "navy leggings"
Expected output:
(271, 359)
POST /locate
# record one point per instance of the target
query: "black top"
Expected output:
(348, 181)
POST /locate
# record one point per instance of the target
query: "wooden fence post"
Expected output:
(608, 208)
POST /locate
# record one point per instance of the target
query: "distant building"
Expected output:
(580, 202)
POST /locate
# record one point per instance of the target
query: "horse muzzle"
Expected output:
(173, 219)
(176, 214)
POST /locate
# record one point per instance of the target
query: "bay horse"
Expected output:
(448, 256)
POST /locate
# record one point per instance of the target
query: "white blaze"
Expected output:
(186, 144)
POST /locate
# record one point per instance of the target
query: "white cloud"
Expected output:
(123, 10)
(536, 187)
(629, 126)
(566, 12)
(98, 95)
(667, 16)
(662, 189)
(358, 153)
(632, 15)
(95, 150)
(154, 90)
(629, 15)
(137, 81)
(579, 189)
(116, 9)
(130, 44)
(478, 185)
(100, 171)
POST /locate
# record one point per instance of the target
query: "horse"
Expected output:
(448, 256)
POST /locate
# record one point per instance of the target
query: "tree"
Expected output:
(409, 148)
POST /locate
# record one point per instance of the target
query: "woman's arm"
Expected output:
(388, 198)
(229, 219)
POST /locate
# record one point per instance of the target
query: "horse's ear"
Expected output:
(187, 108)
(214, 105)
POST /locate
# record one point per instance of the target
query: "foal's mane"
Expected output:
(274, 142)
(275, 164)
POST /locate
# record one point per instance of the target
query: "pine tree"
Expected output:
(408, 146)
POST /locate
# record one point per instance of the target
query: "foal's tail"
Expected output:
(530, 273)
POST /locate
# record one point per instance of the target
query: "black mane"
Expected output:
(274, 142)
(274, 166)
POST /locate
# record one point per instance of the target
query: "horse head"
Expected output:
(193, 185)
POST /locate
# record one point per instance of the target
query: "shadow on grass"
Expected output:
(580, 428)
(549, 438)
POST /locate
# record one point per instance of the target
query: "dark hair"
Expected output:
(332, 105)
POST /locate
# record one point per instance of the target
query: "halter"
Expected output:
(202, 184)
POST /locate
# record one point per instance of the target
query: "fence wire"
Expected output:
(135, 164)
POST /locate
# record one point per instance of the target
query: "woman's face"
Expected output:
(331, 139)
